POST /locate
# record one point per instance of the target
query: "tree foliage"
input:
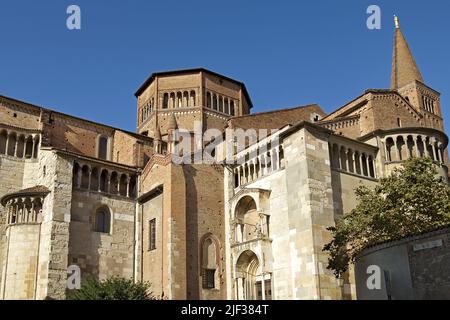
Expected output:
(412, 200)
(114, 288)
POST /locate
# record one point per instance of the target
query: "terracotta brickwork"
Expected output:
(115, 203)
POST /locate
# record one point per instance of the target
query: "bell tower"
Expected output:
(407, 80)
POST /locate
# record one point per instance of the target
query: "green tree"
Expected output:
(114, 288)
(412, 200)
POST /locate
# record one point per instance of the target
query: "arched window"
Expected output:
(123, 185)
(29, 147)
(226, 107)
(20, 146)
(104, 181)
(12, 144)
(232, 111)
(102, 220)
(94, 179)
(208, 100)
(102, 148)
(172, 100)
(192, 101)
(209, 264)
(36, 147)
(179, 100)
(75, 172)
(3, 138)
(165, 101)
(185, 99)
(85, 177)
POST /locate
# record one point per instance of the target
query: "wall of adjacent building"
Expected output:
(410, 268)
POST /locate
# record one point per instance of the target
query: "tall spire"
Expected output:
(404, 67)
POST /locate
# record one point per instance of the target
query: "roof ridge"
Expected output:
(278, 110)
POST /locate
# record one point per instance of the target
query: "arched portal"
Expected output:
(250, 283)
(247, 269)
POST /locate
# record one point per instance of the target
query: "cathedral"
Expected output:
(249, 223)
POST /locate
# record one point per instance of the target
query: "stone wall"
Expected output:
(22, 259)
(310, 205)
(11, 173)
(101, 255)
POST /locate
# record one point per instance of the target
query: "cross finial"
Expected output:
(396, 22)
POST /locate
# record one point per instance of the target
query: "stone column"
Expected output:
(239, 176)
(32, 148)
(433, 147)
(425, 148)
(99, 175)
(263, 287)
(339, 162)
(439, 151)
(108, 179)
(89, 178)
(128, 185)
(416, 147)
(24, 209)
(8, 217)
(16, 147)
(7, 143)
(24, 149)
(367, 166)
(354, 161)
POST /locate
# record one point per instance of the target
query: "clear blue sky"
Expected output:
(288, 53)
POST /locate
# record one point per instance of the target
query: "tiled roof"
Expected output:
(33, 191)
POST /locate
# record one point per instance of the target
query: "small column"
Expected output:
(397, 150)
(99, 175)
(128, 186)
(24, 149)
(425, 148)
(24, 209)
(276, 160)
(367, 166)
(260, 167)
(339, 157)
(32, 148)
(263, 286)
(7, 143)
(8, 217)
(108, 179)
(439, 151)
(416, 147)
(89, 178)
(433, 147)
(79, 175)
(17, 144)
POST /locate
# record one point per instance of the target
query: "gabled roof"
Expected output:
(275, 119)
